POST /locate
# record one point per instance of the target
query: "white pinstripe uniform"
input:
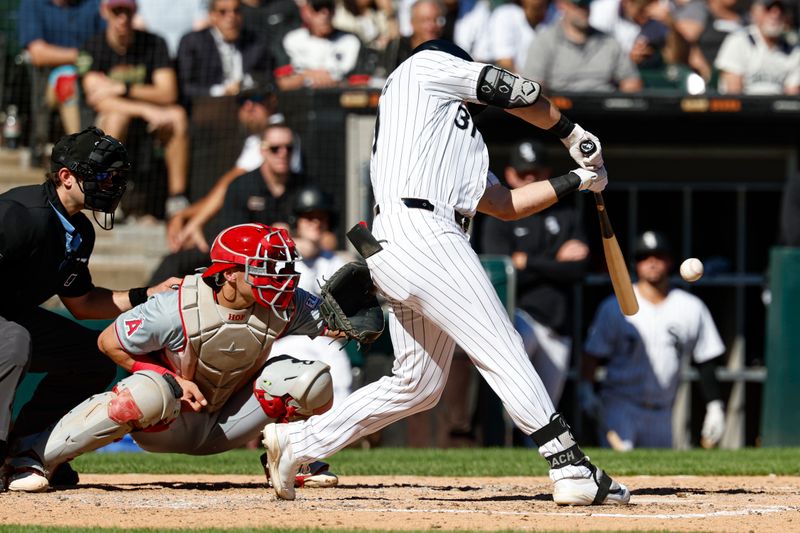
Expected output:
(427, 147)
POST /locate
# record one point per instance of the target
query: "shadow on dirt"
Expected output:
(678, 491)
(170, 485)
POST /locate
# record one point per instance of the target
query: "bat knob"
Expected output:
(587, 147)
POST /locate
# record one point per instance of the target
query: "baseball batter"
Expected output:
(429, 173)
(210, 388)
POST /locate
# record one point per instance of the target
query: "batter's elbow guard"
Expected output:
(501, 88)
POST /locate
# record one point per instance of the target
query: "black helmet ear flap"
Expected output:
(443, 45)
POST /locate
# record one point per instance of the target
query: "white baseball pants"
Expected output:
(439, 294)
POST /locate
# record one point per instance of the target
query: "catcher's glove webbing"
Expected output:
(349, 304)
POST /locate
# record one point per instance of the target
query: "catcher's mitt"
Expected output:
(349, 304)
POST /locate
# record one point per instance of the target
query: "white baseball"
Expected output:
(691, 269)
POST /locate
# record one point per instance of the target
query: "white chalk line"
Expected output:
(660, 516)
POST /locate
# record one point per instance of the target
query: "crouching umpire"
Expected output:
(45, 244)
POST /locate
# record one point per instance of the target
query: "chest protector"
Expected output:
(224, 347)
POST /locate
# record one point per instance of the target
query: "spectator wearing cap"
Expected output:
(758, 59)
(644, 355)
(317, 54)
(52, 31)
(223, 59)
(549, 253)
(573, 56)
(312, 221)
(127, 75)
(261, 195)
(44, 235)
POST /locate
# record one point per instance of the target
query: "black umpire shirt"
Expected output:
(544, 286)
(36, 260)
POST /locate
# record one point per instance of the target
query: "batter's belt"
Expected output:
(463, 221)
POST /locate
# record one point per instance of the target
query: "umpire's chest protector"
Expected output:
(224, 347)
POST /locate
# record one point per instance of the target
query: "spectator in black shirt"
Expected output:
(127, 74)
(44, 236)
(262, 195)
(549, 253)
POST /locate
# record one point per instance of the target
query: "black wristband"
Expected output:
(563, 127)
(708, 380)
(127, 89)
(137, 296)
(565, 184)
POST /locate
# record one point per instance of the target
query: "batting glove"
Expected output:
(573, 141)
(714, 423)
(594, 181)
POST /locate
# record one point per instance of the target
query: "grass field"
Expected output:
(474, 463)
(490, 462)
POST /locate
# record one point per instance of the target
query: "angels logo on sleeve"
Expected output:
(132, 325)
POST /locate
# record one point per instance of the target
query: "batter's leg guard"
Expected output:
(137, 402)
(593, 486)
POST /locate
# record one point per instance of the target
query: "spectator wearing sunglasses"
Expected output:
(316, 55)
(223, 59)
(260, 195)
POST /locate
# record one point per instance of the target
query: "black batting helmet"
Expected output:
(445, 46)
(651, 243)
(312, 198)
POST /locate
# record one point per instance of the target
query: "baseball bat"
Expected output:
(617, 267)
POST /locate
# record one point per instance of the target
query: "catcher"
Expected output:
(201, 379)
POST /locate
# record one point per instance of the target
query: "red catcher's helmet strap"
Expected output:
(277, 409)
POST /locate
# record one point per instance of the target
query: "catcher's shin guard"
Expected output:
(139, 401)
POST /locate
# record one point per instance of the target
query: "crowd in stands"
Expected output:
(139, 70)
(136, 67)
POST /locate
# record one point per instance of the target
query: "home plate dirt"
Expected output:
(683, 503)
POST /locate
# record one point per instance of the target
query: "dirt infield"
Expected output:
(684, 503)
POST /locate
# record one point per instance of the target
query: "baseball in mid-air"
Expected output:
(692, 269)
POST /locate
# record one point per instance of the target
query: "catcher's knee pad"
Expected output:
(291, 388)
(137, 402)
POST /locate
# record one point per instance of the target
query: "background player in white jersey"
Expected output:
(210, 387)
(644, 353)
(430, 173)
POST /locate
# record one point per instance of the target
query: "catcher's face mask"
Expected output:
(268, 255)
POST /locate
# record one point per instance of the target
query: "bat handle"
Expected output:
(598, 198)
(587, 147)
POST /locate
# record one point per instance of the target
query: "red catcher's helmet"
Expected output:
(267, 254)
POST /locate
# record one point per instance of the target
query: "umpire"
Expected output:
(44, 237)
